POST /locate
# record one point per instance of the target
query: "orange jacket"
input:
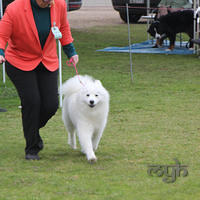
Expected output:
(18, 29)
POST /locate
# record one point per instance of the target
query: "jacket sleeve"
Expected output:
(69, 50)
(65, 27)
(2, 53)
(5, 29)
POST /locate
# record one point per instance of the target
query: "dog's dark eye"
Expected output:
(96, 95)
(87, 95)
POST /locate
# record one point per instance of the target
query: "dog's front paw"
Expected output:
(92, 160)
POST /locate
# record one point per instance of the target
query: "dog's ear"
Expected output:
(98, 82)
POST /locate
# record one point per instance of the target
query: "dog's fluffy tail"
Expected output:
(73, 85)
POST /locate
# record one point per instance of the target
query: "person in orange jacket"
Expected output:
(5, 4)
(32, 62)
(166, 6)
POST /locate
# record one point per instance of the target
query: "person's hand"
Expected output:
(2, 59)
(74, 59)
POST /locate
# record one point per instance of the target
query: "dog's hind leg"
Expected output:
(69, 127)
(72, 139)
(96, 139)
(71, 131)
(85, 139)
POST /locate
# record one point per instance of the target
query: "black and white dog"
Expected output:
(167, 26)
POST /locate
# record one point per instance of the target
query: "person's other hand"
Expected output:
(74, 59)
(2, 59)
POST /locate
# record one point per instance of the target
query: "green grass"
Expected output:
(151, 121)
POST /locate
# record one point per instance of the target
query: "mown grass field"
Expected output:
(152, 121)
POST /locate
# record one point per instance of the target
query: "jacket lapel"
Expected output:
(53, 19)
(30, 19)
(53, 16)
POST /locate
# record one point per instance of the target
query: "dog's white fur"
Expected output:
(85, 112)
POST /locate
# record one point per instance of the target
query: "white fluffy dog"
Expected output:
(85, 112)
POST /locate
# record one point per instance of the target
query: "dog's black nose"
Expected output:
(91, 102)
